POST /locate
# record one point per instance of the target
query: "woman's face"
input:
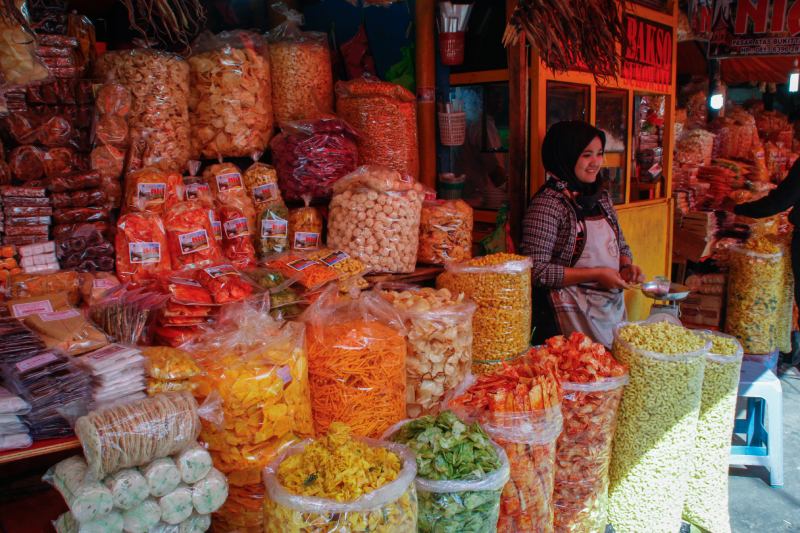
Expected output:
(590, 161)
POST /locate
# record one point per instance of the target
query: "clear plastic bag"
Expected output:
(445, 232)
(153, 190)
(385, 117)
(259, 368)
(136, 434)
(87, 498)
(374, 216)
(231, 95)
(302, 79)
(190, 236)
(656, 425)
(311, 155)
(305, 227)
(237, 243)
(19, 64)
(261, 181)
(706, 503)
(11, 404)
(86, 250)
(141, 245)
(439, 345)
(500, 284)
(273, 230)
(67, 331)
(356, 362)
(755, 293)
(390, 509)
(784, 323)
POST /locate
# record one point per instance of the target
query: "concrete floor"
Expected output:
(756, 507)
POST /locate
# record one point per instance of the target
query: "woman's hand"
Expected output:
(631, 273)
(608, 278)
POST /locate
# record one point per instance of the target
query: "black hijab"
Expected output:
(561, 148)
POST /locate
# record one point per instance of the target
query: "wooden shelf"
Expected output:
(39, 448)
(422, 273)
(480, 76)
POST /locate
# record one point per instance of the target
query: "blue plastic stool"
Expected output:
(763, 424)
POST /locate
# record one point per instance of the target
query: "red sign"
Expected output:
(748, 27)
(647, 58)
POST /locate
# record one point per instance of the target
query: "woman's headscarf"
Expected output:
(563, 144)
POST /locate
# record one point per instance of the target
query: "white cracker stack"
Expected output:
(40, 257)
(13, 431)
(118, 375)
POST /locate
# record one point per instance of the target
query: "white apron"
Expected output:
(589, 308)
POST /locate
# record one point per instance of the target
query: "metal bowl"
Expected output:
(655, 290)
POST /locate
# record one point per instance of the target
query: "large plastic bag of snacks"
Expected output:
(518, 406)
(273, 230)
(135, 434)
(457, 490)
(438, 342)
(259, 368)
(374, 216)
(349, 269)
(755, 291)
(261, 182)
(237, 243)
(445, 232)
(338, 483)
(305, 227)
(501, 286)
(784, 323)
(302, 80)
(311, 155)
(706, 503)
(243, 511)
(190, 236)
(385, 117)
(592, 383)
(141, 245)
(231, 94)
(356, 362)
(19, 64)
(227, 186)
(656, 425)
(159, 118)
(151, 189)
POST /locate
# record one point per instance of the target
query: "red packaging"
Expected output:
(55, 131)
(224, 283)
(237, 243)
(141, 244)
(5, 173)
(24, 192)
(62, 231)
(150, 189)
(108, 161)
(58, 162)
(73, 215)
(28, 221)
(11, 211)
(190, 236)
(75, 182)
(113, 99)
(111, 129)
(96, 197)
(21, 240)
(12, 231)
(174, 336)
(26, 163)
(225, 181)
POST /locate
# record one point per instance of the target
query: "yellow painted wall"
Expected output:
(647, 231)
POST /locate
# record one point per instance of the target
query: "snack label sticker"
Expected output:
(36, 361)
(144, 252)
(334, 257)
(216, 225)
(103, 283)
(300, 264)
(151, 192)
(31, 308)
(59, 315)
(274, 228)
(229, 181)
(194, 241)
(265, 193)
(305, 240)
(196, 190)
(219, 270)
(236, 227)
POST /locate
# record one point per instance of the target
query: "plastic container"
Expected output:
(452, 128)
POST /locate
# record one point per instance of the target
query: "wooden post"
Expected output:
(517, 130)
(424, 18)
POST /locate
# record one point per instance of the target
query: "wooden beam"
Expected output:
(518, 128)
(425, 49)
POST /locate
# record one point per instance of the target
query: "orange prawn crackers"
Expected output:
(259, 368)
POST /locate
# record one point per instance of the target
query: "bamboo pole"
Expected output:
(425, 67)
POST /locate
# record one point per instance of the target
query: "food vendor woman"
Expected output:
(581, 263)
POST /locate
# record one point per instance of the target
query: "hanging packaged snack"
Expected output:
(455, 493)
(230, 107)
(261, 182)
(308, 273)
(374, 216)
(305, 227)
(225, 283)
(438, 342)
(19, 64)
(26, 163)
(83, 198)
(224, 180)
(385, 117)
(108, 161)
(74, 182)
(113, 99)
(259, 368)
(151, 189)
(190, 236)
(445, 232)
(501, 286)
(86, 250)
(141, 244)
(237, 240)
(195, 187)
(311, 155)
(300, 62)
(273, 226)
(305, 488)
(650, 473)
(159, 116)
(356, 362)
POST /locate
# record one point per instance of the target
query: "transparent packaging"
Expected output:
(261, 181)
(190, 236)
(500, 284)
(305, 227)
(374, 216)
(141, 246)
(153, 190)
(445, 232)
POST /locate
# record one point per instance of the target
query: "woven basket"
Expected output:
(452, 128)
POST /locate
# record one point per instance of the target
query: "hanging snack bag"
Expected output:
(150, 189)
(190, 236)
(445, 232)
(230, 107)
(261, 182)
(141, 244)
(302, 79)
(227, 186)
(237, 242)
(273, 225)
(305, 227)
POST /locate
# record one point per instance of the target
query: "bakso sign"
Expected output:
(647, 56)
(748, 27)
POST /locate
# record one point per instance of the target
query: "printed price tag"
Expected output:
(229, 181)
(194, 241)
(144, 252)
(236, 228)
(31, 308)
(274, 228)
(152, 192)
(304, 240)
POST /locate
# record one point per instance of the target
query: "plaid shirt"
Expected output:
(550, 234)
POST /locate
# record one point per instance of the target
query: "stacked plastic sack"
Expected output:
(144, 470)
(13, 431)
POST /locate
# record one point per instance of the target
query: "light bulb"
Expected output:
(717, 101)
